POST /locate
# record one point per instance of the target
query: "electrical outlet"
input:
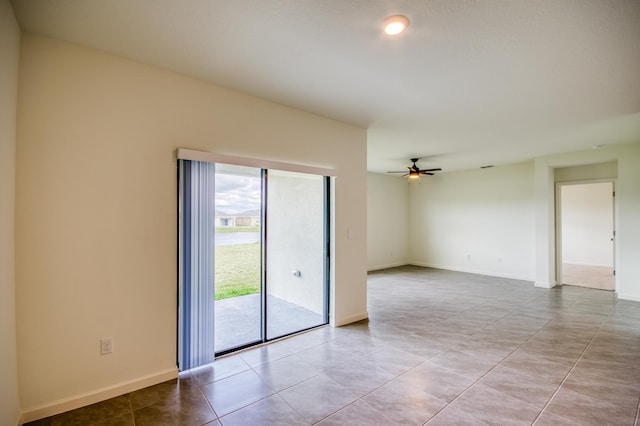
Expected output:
(106, 346)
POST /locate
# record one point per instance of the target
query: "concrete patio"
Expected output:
(237, 320)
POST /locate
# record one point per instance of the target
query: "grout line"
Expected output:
(486, 373)
(555, 314)
(570, 371)
(519, 346)
(133, 417)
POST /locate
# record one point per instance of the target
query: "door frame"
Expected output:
(264, 284)
(558, 224)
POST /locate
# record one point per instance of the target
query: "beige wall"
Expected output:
(387, 221)
(96, 208)
(479, 221)
(627, 244)
(9, 59)
(608, 170)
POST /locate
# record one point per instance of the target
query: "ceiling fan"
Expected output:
(415, 172)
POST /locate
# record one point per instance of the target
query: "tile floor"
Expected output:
(441, 348)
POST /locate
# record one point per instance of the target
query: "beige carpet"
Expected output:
(600, 277)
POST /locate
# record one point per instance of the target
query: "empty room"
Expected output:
(367, 212)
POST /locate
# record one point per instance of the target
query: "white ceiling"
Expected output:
(470, 83)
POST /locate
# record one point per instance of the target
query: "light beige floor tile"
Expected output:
(403, 404)
(317, 398)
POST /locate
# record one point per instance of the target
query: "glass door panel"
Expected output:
(238, 254)
(296, 290)
(256, 272)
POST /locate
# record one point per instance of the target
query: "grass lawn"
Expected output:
(237, 270)
(237, 229)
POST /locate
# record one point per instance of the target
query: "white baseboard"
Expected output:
(599, 265)
(88, 398)
(471, 271)
(390, 265)
(627, 296)
(544, 284)
(353, 318)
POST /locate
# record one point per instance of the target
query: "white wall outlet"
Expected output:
(106, 345)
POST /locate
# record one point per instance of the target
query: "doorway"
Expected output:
(254, 260)
(586, 234)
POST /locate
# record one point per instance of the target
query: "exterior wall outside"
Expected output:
(233, 221)
(247, 221)
(223, 221)
(295, 239)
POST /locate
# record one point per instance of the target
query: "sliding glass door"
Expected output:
(238, 256)
(296, 252)
(263, 269)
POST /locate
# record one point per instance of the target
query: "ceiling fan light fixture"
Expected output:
(394, 25)
(414, 171)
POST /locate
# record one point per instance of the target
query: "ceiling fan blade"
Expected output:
(413, 170)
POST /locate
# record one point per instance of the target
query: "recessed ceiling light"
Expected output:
(395, 24)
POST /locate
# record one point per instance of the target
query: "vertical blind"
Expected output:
(196, 264)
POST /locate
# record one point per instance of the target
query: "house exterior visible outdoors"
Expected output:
(248, 218)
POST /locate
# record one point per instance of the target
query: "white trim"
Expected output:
(212, 157)
(471, 271)
(558, 226)
(353, 318)
(88, 398)
(569, 262)
(545, 285)
(390, 265)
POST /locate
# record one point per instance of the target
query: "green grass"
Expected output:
(237, 229)
(237, 270)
